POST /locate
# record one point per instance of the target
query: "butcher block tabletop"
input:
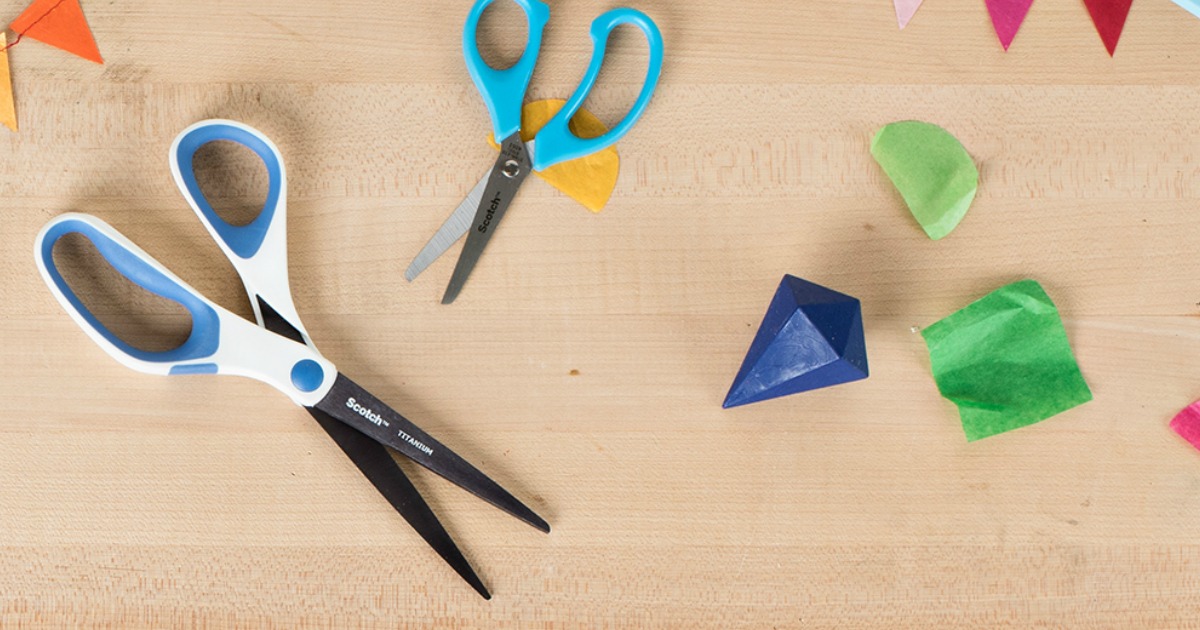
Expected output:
(585, 364)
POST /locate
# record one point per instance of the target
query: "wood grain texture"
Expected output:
(584, 365)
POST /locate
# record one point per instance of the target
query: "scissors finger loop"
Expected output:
(503, 91)
(555, 142)
(245, 240)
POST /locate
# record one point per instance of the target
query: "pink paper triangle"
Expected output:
(905, 10)
(1007, 16)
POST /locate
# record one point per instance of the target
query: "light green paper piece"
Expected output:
(931, 169)
(1004, 360)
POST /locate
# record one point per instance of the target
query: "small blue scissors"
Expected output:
(276, 349)
(503, 92)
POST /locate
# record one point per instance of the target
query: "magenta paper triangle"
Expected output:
(1007, 16)
(905, 10)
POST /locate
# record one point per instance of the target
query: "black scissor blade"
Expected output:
(511, 168)
(376, 463)
(275, 322)
(358, 408)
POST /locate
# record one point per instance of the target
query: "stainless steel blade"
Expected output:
(350, 403)
(511, 169)
(454, 227)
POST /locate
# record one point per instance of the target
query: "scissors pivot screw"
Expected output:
(511, 169)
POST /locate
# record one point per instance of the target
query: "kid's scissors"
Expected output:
(277, 349)
(503, 93)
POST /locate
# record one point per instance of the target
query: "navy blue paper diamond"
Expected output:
(811, 337)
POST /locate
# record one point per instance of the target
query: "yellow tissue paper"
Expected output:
(590, 179)
(8, 111)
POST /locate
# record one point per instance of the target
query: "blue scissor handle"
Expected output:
(503, 91)
(555, 142)
(130, 261)
(244, 240)
(258, 250)
(220, 342)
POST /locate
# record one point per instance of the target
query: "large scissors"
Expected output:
(277, 350)
(503, 93)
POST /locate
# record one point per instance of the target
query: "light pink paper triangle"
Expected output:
(905, 10)
(1007, 16)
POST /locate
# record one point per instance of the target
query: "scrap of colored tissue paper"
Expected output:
(1005, 362)
(905, 9)
(1187, 424)
(590, 180)
(1007, 16)
(59, 23)
(932, 171)
(1191, 6)
(8, 109)
(1109, 18)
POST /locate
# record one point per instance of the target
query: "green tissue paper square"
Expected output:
(1005, 362)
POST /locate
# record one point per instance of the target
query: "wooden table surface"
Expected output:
(585, 364)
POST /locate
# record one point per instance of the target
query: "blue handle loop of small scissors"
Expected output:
(130, 261)
(555, 142)
(244, 240)
(503, 91)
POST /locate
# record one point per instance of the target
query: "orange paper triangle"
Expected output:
(8, 112)
(59, 23)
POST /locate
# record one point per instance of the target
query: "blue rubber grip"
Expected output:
(243, 240)
(503, 91)
(555, 142)
(205, 336)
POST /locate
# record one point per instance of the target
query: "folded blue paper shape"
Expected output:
(811, 337)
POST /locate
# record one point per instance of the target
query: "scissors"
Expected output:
(503, 93)
(276, 349)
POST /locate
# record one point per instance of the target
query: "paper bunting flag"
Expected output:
(1109, 18)
(59, 23)
(8, 111)
(1191, 6)
(1007, 16)
(905, 10)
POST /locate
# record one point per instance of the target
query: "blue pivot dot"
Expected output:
(307, 375)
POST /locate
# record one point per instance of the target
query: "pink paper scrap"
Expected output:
(1187, 424)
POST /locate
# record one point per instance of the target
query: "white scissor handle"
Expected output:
(258, 250)
(220, 342)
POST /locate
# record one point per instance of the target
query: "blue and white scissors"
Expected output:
(503, 92)
(277, 350)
